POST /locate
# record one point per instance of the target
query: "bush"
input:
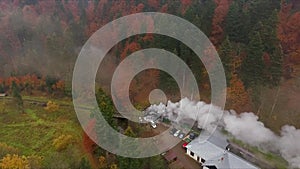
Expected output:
(62, 142)
(14, 162)
(69, 158)
(6, 149)
(113, 166)
(51, 106)
(84, 164)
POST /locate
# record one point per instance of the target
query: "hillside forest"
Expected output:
(258, 42)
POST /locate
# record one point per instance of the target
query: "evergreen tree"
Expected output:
(253, 65)
(272, 47)
(84, 164)
(126, 162)
(2, 88)
(237, 23)
(200, 13)
(156, 162)
(226, 54)
(17, 96)
(107, 111)
(106, 107)
(261, 10)
(50, 81)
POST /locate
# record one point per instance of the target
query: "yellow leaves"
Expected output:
(14, 162)
(102, 162)
(113, 166)
(51, 106)
(21, 162)
(62, 142)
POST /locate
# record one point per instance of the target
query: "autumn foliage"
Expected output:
(221, 11)
(88, 144)
(288, 33)
(6, 149)
(62, 142)
(237, 96)
(51, 106)
(14, 162)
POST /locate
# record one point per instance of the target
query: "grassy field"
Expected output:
(34, 131)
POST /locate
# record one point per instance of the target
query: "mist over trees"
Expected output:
(255, 39)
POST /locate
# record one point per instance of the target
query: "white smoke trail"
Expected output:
(245, 126)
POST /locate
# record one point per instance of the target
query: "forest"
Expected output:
(258, 42)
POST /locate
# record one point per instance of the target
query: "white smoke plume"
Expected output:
(245, 126)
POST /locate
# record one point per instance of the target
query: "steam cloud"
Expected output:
(245, 126)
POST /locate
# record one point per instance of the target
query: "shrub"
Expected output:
(113, 166)
(102, 162)
(51, 106)
(62, 142)
(6, 149)
(14, 162)
(84, 164)
(67, 159)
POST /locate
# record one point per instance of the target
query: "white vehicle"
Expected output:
(177, 133)
(152, 123)
(181, 135)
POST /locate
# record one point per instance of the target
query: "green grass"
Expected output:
(33, 131)
(270, 158)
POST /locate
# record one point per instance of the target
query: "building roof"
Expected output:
(205, 150)
(218, 139)
(213, 151)
(230, 160)
(208, 146)
(170, 156)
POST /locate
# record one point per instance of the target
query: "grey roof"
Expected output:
(229, 160)
(218, 139)
(219, 161)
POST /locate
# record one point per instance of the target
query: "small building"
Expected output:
(170, 156)
(3, 94)
(212, 154)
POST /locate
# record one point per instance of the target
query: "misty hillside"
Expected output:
(258, 42)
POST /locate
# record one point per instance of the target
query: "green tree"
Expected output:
(2, 88)
(156, 162)
(125, 162)
(106, 107)
(200, 13)
(226, 54)
(84, 164)
(261, 10)
(268, 32)
(253, 66)
(16, 94)
(107, 112)
(50, 81)
(237, 23)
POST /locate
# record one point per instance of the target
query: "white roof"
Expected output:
(213, 151)
(229, 160)
(205, 150)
